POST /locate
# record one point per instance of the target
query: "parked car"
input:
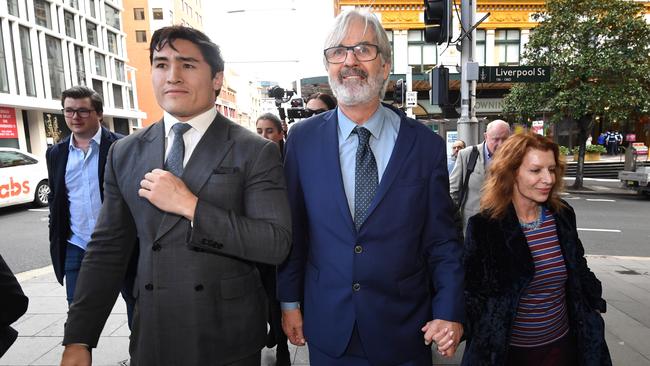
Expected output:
(23, 178)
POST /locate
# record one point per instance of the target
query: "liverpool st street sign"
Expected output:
(514, 74)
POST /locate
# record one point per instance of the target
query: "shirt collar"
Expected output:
(199, 123)
(97, 138)
(374, 124)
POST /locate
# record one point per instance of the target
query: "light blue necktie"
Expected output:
(366, 178)
(174, 162)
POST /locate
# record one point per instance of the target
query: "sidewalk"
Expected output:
(626, 284)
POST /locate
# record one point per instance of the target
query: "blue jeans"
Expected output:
(73, 257)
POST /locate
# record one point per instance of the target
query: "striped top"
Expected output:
(542, 313)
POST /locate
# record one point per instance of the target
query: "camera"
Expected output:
(296, 108)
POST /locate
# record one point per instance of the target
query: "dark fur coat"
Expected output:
(499, 267)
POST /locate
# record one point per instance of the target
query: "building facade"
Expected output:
(141, 19)
(47, 46)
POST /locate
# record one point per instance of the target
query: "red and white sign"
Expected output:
(8, 127)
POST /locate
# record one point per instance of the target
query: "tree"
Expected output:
(599, 52)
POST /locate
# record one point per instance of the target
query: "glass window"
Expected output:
(138, 13)
(112, 42)
(55, 63)
(100, 64)
(117, 96)
(98, 86)
(119, 70)
(507, 46)
(4, 79)
(91, 6)
(157, 13)
(28, 63)
(480, 47)
(81, 66)
(91, 33)
(69, 24)
(112, 17)
(12, 7)
(14, 158)
(73, 3)
(42, 13)
(421, 56)
(140, 36)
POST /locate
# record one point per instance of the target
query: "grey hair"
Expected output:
(342, 24)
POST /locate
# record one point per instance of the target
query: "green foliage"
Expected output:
(598, 51)
(590, 149)
(564, 150)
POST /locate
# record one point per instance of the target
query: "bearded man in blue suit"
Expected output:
(375, 262)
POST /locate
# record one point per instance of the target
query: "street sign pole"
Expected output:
(409, 88)
(467, 124)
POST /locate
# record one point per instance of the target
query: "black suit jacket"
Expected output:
(13, 304)
(57, 159)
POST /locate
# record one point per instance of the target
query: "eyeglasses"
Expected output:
(81, 112)
(312, 112)
(362, 51)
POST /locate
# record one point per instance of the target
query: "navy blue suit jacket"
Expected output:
(57, 160)
(408, 266)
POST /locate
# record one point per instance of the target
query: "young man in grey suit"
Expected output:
(496, 133)
(219, 205)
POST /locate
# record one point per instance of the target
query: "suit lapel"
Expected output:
(332, 163)
(61, 163)
(208, 154)
(403, 145)
(104, 145)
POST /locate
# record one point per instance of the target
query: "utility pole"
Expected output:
(467, 123)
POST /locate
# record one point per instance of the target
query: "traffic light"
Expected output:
(399, 93)
(439, 80)
(437, 21)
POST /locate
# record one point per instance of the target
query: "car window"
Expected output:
(12, 158)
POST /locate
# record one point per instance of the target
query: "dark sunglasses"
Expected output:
(311, 112)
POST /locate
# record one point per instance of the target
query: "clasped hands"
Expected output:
(445, 334)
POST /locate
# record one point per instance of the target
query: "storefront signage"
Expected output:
(8, 128)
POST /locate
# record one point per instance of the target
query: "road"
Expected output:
(613, 224)
(24, 241)
(608, 224)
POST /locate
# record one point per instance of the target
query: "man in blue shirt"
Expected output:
(76, 174)
(375, 263)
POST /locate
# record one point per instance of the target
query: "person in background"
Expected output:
(496, 133)
(530, 296)
(318, 103)
(269, 126)
(13, 304)
(75, 169)
(457, 146)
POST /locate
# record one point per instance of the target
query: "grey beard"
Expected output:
(357, 91)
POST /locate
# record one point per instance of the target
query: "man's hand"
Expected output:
(76, 355)
(292, 326)
(168, 192)
(445, 334)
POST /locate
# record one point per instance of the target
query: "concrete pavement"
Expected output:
(626, 284)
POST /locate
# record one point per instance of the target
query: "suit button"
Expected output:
(358, 249)
(148, 287)
(356, 287)
(198, 287)
(156, 247)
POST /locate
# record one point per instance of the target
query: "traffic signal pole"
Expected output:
(467, 123)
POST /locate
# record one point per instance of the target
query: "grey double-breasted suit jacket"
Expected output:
(199, 296)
